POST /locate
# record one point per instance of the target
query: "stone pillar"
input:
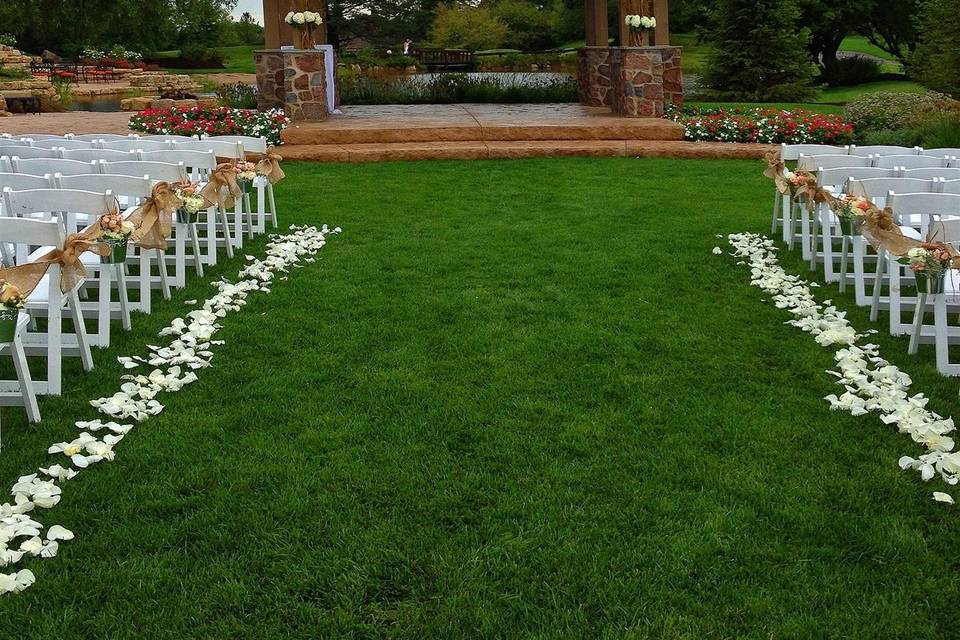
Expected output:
(643, 79)
(294, 80)
(593, 76)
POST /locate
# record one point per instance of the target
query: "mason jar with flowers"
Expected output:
(11, 301)
(929, 264)
(305, 22)
(639, 26)
(246, 172)
(850, 211)
(115, 232)
(191, 203)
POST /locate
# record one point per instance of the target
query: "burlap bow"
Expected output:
(153, 220)
(222, 187)
(774, 171)
(269, 166)
(881, 230)
(26, 277)
(809, 192)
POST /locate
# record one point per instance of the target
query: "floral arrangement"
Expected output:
(849, 210)
(118, 57)
(768, 126)
(303, 19)
(10, 297)
(929, 263)
(190, 199)
(212, 121)
(245, 170)
(114, 227)
(640, 23)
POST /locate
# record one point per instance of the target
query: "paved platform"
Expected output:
(454, 132)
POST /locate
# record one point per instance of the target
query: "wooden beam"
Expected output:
(278, 33)
(597, 32)
(661, 11)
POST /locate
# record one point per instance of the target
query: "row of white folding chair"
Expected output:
(25, 234)
(815, 162)
(790, 152)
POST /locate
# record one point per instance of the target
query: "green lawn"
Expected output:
(859, 44)
(515, 399)
(840, 95)
(239, 59)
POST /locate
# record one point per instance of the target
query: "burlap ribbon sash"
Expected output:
(269, 166)
(810, 193)
(774, 171)
(222, 187)
(26, 277)
(153, 220)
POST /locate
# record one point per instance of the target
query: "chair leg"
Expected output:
(195, 243)
(124, 305)
(25, 381)
(162, 266)
(940, 320)
(917, 323)
(85, 355)
(227, 240)
(102, 337)
(815, 231)
(261, 206)
(877, 283)
(248, 211)
(273, 204)
(843, 263)
(54, 355)
(146, 288)
(776, 211)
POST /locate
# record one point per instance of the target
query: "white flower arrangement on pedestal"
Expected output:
(306, 22)
(640, 23)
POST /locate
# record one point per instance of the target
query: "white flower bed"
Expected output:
(871, 384)
(175, 366)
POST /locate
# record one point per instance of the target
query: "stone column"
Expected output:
(593, 76)
(294, 80)
(644, 79)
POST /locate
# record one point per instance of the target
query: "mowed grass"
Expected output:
(515, 399)
(237, 59)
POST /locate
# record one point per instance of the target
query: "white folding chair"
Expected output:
(943, 151)
(73, 210)
(884, 150)
(8, 141)
(171, 137)
(47, 299)
(65, 143)
(137, 144)
(924, 212)
(911, 162)
(253, 145)
(27, 152)
(230, 151)
(809, 221)
(95, 155)
(105, 137)
(949, 186)
(51, 166)
(928, 173)
(19, 392)
(155, 171)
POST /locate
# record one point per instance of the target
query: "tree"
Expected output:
(892, 26)
(466, 27)
(758, 53)
(936, 62)
(829, 22)
(530, 26)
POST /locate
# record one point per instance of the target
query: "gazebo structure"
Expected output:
(635, 80)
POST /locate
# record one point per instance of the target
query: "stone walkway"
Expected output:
(66, 122)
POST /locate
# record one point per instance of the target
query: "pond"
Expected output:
(95, 103)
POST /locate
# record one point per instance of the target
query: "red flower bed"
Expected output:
(770, 126)
(212, 121)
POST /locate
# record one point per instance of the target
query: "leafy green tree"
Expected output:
(758, 54)
(829, 22)
(936, 62)
(530, 26)
(892, 26)
(466, 27)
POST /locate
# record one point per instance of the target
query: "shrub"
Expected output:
(885, 111)
(238, 96)
(10, 73)
(465, 27)
(8, 40)
(857, 70)
(452, 88)
(770, 126)
(937, 59)
(757, 52)
(902, 138)
(943, 132)
(530, 28)
(194, 56)
(216, 121)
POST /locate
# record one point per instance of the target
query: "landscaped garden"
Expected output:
(525, 412)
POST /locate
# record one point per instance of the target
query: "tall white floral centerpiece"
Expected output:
(305, 22)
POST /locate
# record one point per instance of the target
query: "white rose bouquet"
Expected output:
(306, 22)
(191, 203)
(115, 232)
(929, 264)
(640, 23)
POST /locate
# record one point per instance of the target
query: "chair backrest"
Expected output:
(88, 155)
(250, 143)
(63, 143)
(41, 166)
(22, 181)
(222, 148)
(165, 136)
(195, 161)
(935, 172)
(840, 175)
(911, 162)
(43, 136)
(9, 141)
(794, 151)
(107, 137)
(815, 163)
(919, 209)
(136, 144)
(28, 152)
(950, 186)
(884, 150)
(59, 204)
(130, 187)
(877, 189)
(944, 151)
(26, 234)
(155, 171)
